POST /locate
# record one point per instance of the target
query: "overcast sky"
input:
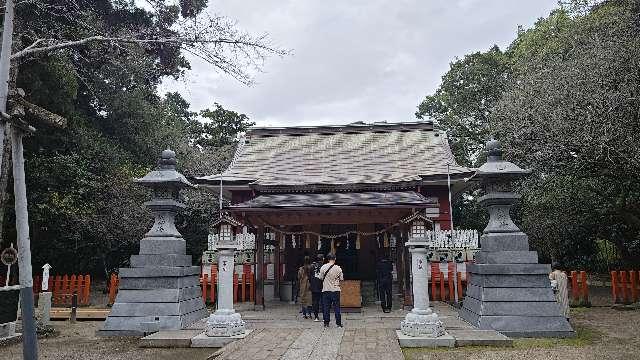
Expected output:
(355, 60)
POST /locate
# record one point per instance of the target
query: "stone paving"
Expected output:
(281, 333)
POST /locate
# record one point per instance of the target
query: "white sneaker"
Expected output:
(316, 319)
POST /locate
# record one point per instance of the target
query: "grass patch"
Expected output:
(584, 336)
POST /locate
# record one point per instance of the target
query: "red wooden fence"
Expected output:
(442, 288)
(243, 287)
(625, 286)
(579, 288)
(63, 287)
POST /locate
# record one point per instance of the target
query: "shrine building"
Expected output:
(347, 189)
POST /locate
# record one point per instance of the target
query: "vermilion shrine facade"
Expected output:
(344, 189)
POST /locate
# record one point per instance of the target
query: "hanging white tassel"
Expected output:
(307, 242)
(319, 243)
(293, 241)
(358, 242)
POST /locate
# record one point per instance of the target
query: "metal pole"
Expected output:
(6, 282)
(30, 341)
(455, 264)
(5, 64)
(220, 198)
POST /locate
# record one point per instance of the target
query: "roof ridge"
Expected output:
(334, 129)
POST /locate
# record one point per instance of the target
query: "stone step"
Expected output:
(159, 282)
(509, 269)
(520, 326)
(510, 281)
(159, 271)
(506, 257)
(510, 294)
(160, 260)
(512, 308)
(474, 337)
(169, 339)
(156, 309)
(158, 295)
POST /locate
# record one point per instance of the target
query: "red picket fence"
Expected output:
(112, 288)
(443, 287)
(579, 288)
(62, 288)
(243, 285)
(625, 286)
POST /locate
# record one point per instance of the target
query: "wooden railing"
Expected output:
(625, 286)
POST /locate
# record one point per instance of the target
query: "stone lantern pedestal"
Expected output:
(422, 326)
(161, 289)
(509, 291)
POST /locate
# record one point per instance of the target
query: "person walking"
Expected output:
(304, 290)
(384, 269)
(316, 285)
(559, 285)
(331, 275)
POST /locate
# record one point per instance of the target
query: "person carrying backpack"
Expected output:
(316, 285)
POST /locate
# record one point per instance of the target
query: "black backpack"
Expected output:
(314, 282)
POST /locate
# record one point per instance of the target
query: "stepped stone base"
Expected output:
(513, 297)
(406, 341)
(205, 341)
(161, 292)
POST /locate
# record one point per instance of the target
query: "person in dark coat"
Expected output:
(384, 268)
(316, 285)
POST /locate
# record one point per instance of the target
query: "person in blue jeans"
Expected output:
(331, 275)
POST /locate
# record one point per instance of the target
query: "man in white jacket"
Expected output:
(331, 275)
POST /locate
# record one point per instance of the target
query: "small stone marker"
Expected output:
(44, 298)
(45, 276)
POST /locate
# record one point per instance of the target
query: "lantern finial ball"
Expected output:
(168, 159)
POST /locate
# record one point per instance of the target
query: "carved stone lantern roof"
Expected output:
(165, 174)
(498, 167)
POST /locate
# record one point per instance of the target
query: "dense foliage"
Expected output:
(564, 100)
(86, 214)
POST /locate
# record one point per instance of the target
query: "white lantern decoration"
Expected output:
(418, 229)
(225, 230)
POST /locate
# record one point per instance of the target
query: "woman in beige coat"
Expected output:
(304, 292)
(559, 285)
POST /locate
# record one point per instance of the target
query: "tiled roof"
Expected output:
(341, 155)
(393, 198)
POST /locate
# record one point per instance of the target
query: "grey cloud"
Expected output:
(354, 60)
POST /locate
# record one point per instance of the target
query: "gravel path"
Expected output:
(610, 334)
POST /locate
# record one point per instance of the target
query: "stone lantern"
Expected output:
(161, 290)
(422, 326)
(225, 322)
(509, 291)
